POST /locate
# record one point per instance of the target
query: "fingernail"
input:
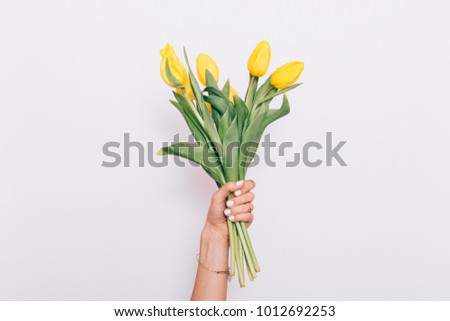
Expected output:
(231, 218)
(227, 212)
(230, 203)
(239, 183)
(237, 193)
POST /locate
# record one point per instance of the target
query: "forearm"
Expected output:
(211, 286)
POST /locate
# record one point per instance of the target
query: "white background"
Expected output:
(77, 74)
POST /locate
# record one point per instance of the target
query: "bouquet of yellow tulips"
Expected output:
(226, 127)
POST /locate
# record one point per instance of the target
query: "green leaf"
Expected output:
(252, 135)
(201, 107)
(210, 127)
(242, 113)
(230, 152)
(272, 95)
(188, 114)
(264, 89)
(217, 103)
(201, 155)
(257, 110)
(176, 104)
(224, 123)
(260, 118)
(174, 81)
(226, 89)
(216, 92)
(216, 117)
(274, 114)
(232, 109)
(210, 81)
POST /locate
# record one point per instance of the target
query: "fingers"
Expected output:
(242, 217)
(237, 188)
(246, 187)
(247, 207)
(222, 193)
(240, 207)
(238, 200)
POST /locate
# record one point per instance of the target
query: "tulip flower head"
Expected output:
(175, 66)
(287, 74)
(259, 59)
(205, 62)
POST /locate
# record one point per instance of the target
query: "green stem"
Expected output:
(250, 247)
(250, 275)
(251, 91)
(245, 247)
(232, 248)
(194, 109)
(250, 84)
(239, 261)
(242, 259)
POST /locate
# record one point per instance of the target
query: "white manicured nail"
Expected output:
(239, 183)
(237, 193)
(230, 203)
(227, 212)
(231, 218)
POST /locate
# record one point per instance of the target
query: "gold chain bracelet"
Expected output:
(211, 270)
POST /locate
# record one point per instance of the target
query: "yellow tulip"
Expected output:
(164, 51)
(175, 65)
(287, 74)
(205, 62)
(259, 59)
(208, 105)
(232, 94)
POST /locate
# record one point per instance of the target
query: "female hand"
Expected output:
(237, 209)
(213, 256)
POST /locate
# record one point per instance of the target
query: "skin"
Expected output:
(210, 286)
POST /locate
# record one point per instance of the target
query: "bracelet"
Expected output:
(211, 270)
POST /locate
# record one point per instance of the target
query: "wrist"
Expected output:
(214, 234)
(214, 248)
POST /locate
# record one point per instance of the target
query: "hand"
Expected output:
(214, 240)
(238, 209)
